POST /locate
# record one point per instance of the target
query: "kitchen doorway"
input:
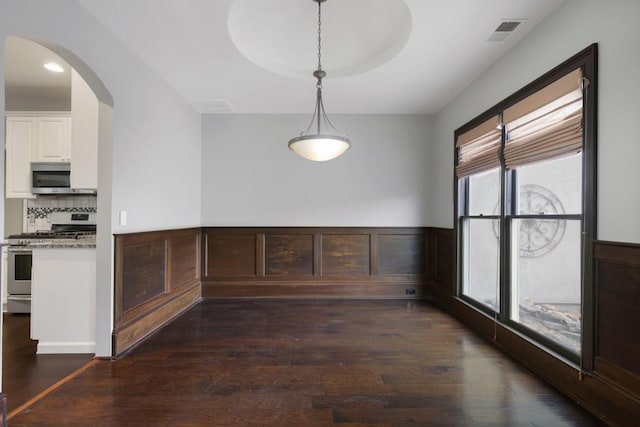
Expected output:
(32, 90)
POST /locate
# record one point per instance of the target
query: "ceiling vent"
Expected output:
(213, 106)
(505, 29)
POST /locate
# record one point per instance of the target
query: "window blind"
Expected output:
(479, 148)
(546, 125)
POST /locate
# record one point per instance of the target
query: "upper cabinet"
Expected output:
(33, 137)
(84, 134)
(53, 142)
(20, 140)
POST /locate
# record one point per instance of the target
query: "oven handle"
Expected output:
(18, 249)
(19, 297)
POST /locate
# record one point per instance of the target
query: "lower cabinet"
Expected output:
(63, 288)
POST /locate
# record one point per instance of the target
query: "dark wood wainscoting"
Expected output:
(315, 262)
(617, 281)
(157, 277)
(612, 390)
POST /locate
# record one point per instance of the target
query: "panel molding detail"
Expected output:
(352, 262)
(157, 277)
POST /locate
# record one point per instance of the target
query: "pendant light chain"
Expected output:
(319, 35)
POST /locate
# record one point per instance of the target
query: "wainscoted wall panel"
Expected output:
(288, 255)
(157, 277)
(315, 262)
(230, 255)
(143, 267)
(402, 254)
(183, 251)
(346, 254)
(612, 390)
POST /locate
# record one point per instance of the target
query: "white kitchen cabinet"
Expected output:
(33, 137)
(53, 140)
(63, 301)
(20, 140)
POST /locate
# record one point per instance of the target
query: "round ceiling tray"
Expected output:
(282, 35)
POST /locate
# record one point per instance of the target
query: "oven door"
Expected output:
(19, 271)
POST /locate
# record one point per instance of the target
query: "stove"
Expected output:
(64, 225)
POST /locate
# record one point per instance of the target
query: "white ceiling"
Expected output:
(381, 56)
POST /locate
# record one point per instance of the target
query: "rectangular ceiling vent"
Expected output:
(505, 29)
(213, 106)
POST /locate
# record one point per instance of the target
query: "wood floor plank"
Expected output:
(25, 374)
(308, 363)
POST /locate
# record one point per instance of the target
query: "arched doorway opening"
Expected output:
(27, 98)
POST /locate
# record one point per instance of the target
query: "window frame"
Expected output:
(587, 61)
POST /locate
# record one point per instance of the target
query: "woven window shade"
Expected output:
(479, 148)
(546, 125)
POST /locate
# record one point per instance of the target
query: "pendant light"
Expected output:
(327, 142)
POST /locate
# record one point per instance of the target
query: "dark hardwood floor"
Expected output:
(308, 363)
(25, 374)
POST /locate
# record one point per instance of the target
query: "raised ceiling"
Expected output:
(257, 56)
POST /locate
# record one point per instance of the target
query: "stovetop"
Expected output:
(65, 225)
(41, 237)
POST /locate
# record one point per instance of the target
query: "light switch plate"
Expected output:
(123, 217)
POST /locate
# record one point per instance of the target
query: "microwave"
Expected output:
(54, 178)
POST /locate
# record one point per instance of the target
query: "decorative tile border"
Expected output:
(46, 212)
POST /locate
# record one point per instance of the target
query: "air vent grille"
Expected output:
(505, 29)
(507, 26)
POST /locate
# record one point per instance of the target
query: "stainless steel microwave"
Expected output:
(54, 178)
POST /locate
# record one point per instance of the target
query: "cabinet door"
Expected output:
(20, 139)
(53, 140)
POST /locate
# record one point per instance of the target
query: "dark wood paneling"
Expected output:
(145, 263)
(143, 270)
(442, 257)
(402, 254)
(617, 284)
(618, 314)
(288, 255)
(277, 257)
(184, 260)
(345, 254)
(231, 255)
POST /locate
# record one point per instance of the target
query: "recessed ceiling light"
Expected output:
(52, 66)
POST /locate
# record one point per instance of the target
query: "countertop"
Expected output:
(85, 243)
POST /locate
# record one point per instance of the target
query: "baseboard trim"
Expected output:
(365, 290)
(129, 336)
(66, 347)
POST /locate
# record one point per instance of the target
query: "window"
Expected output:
(524, 204)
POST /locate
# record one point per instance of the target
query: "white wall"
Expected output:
(156, 148)
(152, 169)
(251, 178)
(574, 26)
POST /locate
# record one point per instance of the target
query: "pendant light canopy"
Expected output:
(321, 141)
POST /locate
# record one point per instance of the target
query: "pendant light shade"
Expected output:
(319, 148)
(321, 141)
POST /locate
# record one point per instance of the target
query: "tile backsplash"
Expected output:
(39, 210)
